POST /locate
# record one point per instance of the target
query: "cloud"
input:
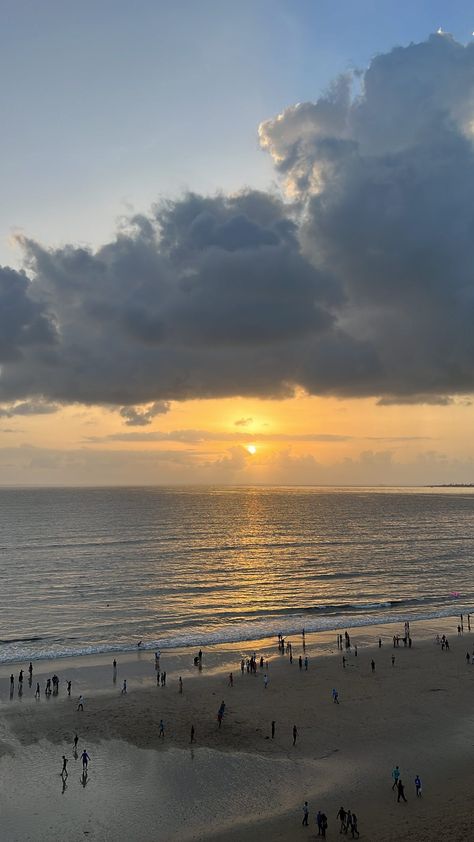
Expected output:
(136, 417)
(198, 436)
(358, 283)
(243, 422)
(28, 408)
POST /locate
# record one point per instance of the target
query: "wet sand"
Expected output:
(236, 783)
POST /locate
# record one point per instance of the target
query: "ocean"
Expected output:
(97, 570)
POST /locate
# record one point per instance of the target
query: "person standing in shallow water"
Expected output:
(273, 729)
(295, 734)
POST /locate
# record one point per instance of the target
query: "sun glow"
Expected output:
(251, 449)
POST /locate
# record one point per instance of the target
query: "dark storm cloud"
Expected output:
(28, 408)
(360, 284)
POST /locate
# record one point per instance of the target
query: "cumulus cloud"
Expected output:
(358, 283)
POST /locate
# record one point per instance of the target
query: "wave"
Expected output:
(237, 633)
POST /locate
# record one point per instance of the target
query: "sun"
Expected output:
(251, 449)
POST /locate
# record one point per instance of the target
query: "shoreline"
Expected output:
(213, 641)
(416, 713)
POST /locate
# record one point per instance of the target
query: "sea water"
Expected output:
(97, 570)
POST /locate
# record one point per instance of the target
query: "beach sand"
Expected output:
(236, 783)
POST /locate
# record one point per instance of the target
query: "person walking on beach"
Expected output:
(354, 828)
(295, 734)
(342, 816)
(37, 691)
(192, 734)
(324, 824)
(161, 732)
(306, 662)
(300, 662)
(231, 680)
(335, 696)
(372, 664)
(69, 686)
(64, 772)
(12, 682)
(180, 684)
(395, 776)
(418, 786)
(273, 729)
(319, 821)
(401, 790)
(265, 681)
(348, 821)
(305, 814)
(124, 688)
(80, 703)
(85, 759)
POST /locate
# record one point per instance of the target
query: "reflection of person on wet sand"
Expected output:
(64, 771)
(84, 778)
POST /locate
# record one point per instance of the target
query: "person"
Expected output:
(80, 703)
(401, 790)
(163, 679)
(75, 742)
(12, 681)
(180, 684)
(115, 664)
(344, 661)
(300, 662)
(85, 759)
(393, 660)
(355, 650)
(395, 776)
(124, 688)
(305, 814)
(349, 821)
(354, 828)
(468, 658)
(219, 717)
(265, 681)
(324, 824)
(69, 686)
(20, 677)
(30, 669)
(295, 734)
(37, 691)
(372, 664)
(335, 696)
(242, 666)
(319, 822)
(342, 815)
(161, 732)
(418, 786)
(380, 642)
(273, 729)
(231, 680)
(306, 662)
(192, 734)
(139, 643)
(64, 769)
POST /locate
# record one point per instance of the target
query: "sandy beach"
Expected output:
(235, 782)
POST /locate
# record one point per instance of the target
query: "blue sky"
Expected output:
(107, 104)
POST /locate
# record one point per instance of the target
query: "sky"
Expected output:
(235, 242)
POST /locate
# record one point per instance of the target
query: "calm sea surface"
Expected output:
(95, 570)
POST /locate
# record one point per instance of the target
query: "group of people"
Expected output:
(398, 785)
(348, 821)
